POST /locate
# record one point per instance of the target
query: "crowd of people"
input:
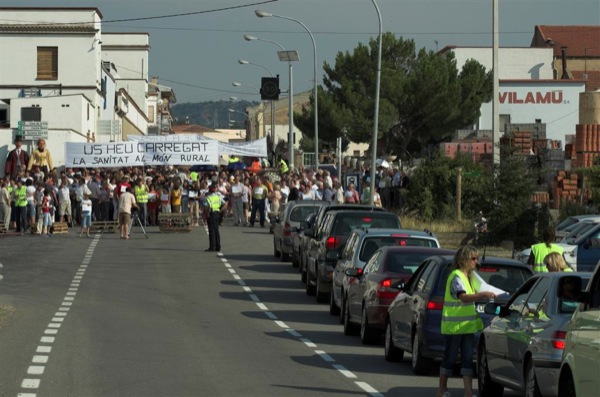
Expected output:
(33, 198)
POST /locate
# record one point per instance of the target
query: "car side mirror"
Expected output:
(400, 285)
(569, 288)
(496, 309)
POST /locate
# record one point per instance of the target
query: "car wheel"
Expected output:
(420, 364)
(532, 389)
(334, 310)
(487, 387)
(391, 352)
(368, 335)
(321, 296)
(566, 386)
(275, 252)
(349, 328)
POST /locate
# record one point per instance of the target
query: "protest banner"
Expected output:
(123, 154)
(256, 148)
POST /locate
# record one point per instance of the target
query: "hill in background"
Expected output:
(212, 114)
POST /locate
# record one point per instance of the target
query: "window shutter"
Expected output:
(47, 63)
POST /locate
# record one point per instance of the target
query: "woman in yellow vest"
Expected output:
(539, 251)
(460, 321)
(555, 262)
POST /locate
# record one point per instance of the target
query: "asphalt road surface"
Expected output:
(102, 316)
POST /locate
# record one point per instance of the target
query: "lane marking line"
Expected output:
(51, 332)
(262, 306)
(307, 342)
(43, 349)
(325, 356)
(369, 389)
(248, 289)
(254, 298)
(281, 324)
(26, 395)
(58, 319)
(35, 370)
(60, 314)
(47, 339)
(30, 383)
(40, 359)
(235, 276)
(294, 333)
(344, 371)
(271, 315)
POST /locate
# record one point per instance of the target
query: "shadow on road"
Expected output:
(322, 390)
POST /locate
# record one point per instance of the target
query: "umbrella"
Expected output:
(236, 166)
(203, 168)
(382, 163)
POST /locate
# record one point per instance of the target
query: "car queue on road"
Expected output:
(387, 285)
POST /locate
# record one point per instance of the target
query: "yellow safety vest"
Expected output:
(283, 166)
(194, 176)
(21, 197)
(539, 253)
(233, 160)
(459, 317)
(214, 202)
(141, 194)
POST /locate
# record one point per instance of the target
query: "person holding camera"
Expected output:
(126, 204)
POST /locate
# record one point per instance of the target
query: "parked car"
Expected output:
(299, 243)
(313, 229)
(323, 250)
(571, 220)
(358, 250)
(522, 347)
(369, 291)
(580, 367)
(414, 317)
(576, 229)
(286, 225)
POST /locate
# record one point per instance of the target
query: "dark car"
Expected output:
(370, 289)
(522, 348)
(360, 247)
(414, 317)
(312, 229)
(299, 243)
(327, 244)
(286, 225)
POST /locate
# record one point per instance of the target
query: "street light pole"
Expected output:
(246, 62)
(263, 14)
(376, 116)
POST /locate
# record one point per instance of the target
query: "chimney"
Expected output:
(565, 73)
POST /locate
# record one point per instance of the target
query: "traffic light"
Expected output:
(269, 88)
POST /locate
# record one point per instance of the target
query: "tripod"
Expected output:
(136, 219)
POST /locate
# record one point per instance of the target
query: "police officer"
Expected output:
(214, 204)
(141, 197)
(283, 167)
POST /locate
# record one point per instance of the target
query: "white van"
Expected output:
(580, 367)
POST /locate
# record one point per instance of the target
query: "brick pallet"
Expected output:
(174, 222)
(565, 189)
(104, 226)
(60, 228)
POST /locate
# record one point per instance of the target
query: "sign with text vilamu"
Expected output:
(122, 154)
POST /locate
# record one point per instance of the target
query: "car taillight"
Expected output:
(435, 305)
(385, 290)
(331, 243)
(287, 230)
(558, 339)
(359, 271)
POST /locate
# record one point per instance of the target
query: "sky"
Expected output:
(197, 54)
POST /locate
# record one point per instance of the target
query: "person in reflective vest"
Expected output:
(283, 167)
(540, 250)
(460, 321)
(20, 196)
(214, 204)
(233, 159)
(141, 196)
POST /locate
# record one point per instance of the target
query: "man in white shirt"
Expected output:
(126, 203)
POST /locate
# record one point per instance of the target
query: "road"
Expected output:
(161, 317)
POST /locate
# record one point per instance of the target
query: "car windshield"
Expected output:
(348, 222)
(372, 244)
(404, 262)
(301, 212)
(578, 230)
(566, 223)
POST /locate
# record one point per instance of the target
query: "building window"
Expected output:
(47, 63)
(31, 114)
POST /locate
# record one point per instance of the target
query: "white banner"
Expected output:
(122, 154)
(257, 148)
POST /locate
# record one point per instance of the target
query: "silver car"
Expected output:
(522, 347)
(286, 225)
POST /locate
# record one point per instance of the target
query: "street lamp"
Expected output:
(264, 14)
(376, 116)
(289, 57)
(246, 62)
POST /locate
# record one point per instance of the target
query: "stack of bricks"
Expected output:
(587, 145)
(521, 142)
(479, 151)
(564, 188)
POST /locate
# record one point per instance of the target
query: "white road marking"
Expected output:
(60, 314)
(30, 383)
(325, 356)
(63, 309)
(71, 293)
(262, 306)
(254, 298)
(35, 370)
(54, 325)
(73, 289)
(307, 342)
(344, 371)
(69, 299)
(51, 332)
(47, 339)
(39, 359)
(58, 319)
(248, 289)
(235, 276)
(281, 324)
(271, 315)
(67, 304)
(294, 333)
(232, 271)
(227, 265)
(26, 395)
(369, 389)
(43, 349)
(241, 282)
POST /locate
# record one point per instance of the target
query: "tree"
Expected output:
(423, 96)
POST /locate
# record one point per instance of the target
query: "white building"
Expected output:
(528, 93)
(57, 67)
